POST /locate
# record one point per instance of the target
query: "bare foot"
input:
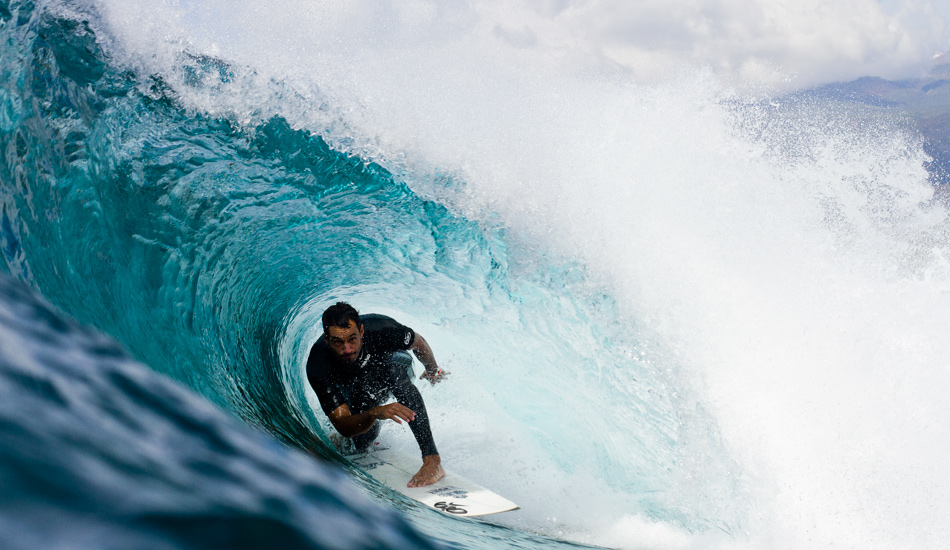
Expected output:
(430, 472)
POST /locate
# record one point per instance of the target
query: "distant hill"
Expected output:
(926, 101)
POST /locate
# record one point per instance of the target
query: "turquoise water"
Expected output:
(625, 311)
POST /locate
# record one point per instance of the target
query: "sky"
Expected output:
(941, 6)
(780, 43)
(785, 43)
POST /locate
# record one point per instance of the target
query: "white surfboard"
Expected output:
(453, 495)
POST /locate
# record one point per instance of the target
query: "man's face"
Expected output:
(345, 343)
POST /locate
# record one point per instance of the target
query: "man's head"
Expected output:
(343, 331)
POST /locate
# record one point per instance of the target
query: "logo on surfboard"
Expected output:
(450, 507)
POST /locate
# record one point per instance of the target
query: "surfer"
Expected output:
(357, 364)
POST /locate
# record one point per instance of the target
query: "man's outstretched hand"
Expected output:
(434, 377)
(430, 472)
(393, 411)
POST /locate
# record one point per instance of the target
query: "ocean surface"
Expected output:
(677, 315)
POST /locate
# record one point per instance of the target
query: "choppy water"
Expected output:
(675, 317)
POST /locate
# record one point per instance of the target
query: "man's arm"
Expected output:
(424, 353)
(351, 425)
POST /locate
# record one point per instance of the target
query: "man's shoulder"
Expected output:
(375, 321)
(319, 345)
(386, 332)
(318, 360)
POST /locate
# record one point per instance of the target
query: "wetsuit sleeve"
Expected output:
(329, 396)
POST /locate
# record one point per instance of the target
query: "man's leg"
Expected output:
(364, 441)
(407, 394)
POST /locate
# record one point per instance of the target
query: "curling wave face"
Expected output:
(208, 245)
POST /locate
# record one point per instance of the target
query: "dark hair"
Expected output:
(339, 315)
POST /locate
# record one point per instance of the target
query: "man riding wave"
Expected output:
(357, 364)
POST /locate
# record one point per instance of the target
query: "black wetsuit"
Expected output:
(381, 369)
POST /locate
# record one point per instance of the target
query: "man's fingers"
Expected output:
(396, 411)
(403, 411)
(434, 377)
(408, 415)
